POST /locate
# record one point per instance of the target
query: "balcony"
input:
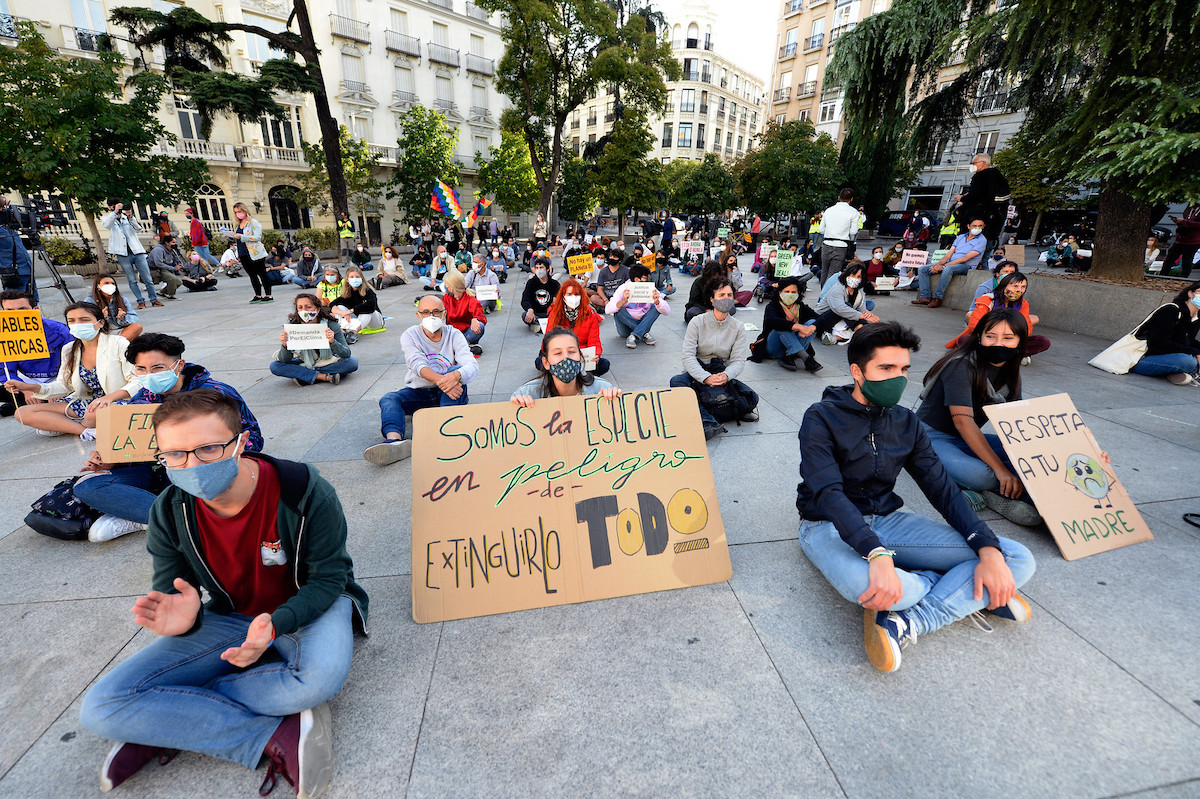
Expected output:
(693, 44)
(685, 142)
(780, 96)
(443, 55)
(349, 28)
(8, 27)
(386, 154)
(270, 155)
(814, 42)
(720, 113)
(699, 144)
(991, 103)
(742, 121)
(402, 43)
(574, 124)
(815, 3)
(669, 109)
(704, 108)
(841, 30)
(831, 93)
(787, 51)
(480, 65)
(447, 4)
(728, 151)
(354, 87)
(198, 148)
(706, 77)
(807, 89)
(480, 112)
(591, 122)
(86, 41)
(691, 76)
(687, 108)
(708, 43)
(403, 99)
(445, 106)
(792, 7)
(475, 12)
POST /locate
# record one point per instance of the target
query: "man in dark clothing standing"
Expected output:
(1187, 241)
(986, 198)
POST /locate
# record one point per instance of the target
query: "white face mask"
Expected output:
(975, 231)
(432, 324)
(972, 169)
(572, 301)
(853, 282)
(109, 289)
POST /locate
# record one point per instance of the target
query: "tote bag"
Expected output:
(1125, 351)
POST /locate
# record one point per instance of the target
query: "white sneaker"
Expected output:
(49, 433)
(631, 342)
(388, 452)
(108, 527)
(1026, 361)
(1178, 378)
(88, 434)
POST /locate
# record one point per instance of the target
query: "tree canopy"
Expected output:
(624, 177)
(425, 155)
(792, 170)
(508, 176)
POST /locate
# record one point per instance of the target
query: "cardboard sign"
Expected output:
(1057, 458)
(22, 336)
(306, 337)
(124, 433)
(641, 292)
(580, 264)
(543, 321)
(1014, 253)
(722, 233)
(695, 247)
(556, 251)
(885, 283)
(912, 259)
(589, 358)
(488, 292)
(649, 260)
(574, 499)
(783, 263)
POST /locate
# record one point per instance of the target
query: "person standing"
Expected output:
(1187, 241)
(16, 267)
(838, 229)
(345, 229)
(123, 244)
(198, 236)
(541, 231)
(950, 228)
(986, 198)
(755, 230)
(251, 252)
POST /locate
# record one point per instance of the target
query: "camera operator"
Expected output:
(167, 259)
(123, 244)
(16, 268)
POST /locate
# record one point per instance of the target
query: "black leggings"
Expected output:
(257, 270)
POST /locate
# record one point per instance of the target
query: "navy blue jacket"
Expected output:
(850, 456)
(196, 376)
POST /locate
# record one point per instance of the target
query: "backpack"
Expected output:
(60, 514)
(728, 402)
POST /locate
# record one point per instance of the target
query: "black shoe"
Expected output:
(7, 409)
(714, 431)
(788, 362)
(268, 298)
(476, 350)
(811, 365)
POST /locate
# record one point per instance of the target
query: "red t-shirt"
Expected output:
(244, 551)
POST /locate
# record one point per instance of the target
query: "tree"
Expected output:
(425, 155)
(792, 170)
(195, 63)
(557, 52)
(67, 125)
(709, 188)
(576, 192)
(508, 175)
(675, 176)
(624, 177)
(359, 165)
(1036, 185)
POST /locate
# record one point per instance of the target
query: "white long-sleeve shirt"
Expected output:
(840, 223)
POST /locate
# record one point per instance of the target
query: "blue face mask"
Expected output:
(207, 480)
(160, 382)
(84, 331)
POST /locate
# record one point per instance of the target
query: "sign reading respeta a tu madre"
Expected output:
(570, 500)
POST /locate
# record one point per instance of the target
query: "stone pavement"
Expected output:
(755, 687)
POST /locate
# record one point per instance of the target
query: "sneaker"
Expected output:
(301, 751)
(1181, 378)
(108, 527)
(476, 350)
(333, 379)
(388, 452)
(256, 300)
(714, 431)
(88, 434)
(631, 342)
(160, 286)
(49, 433)
(351, 337)
(885, 633)
(534, 327)
(125, 760)
(1015, 510)
(750, 416)
(827, 338)
(268, 298)
(649, 340)
(1026, 361)
(299, 382)
(1017, 610)
(974, 499)
(172, 297)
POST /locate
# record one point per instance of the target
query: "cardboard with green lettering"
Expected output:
(125, 433)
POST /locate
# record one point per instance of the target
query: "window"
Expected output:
(441, 34)
(810, 74)
(685, 134)
(352, 71)
(806, 114)
(790, 41)
(753, 119)
(741, 140)
(189, 118)
(399, 21)
(986, 142)
(345, 8)
(666, 160)
(732, 111)
(785, 80)
(717, 137)
(479, 99)
(666, 137)
(830, 111)
(992, 93)
(404, 79)
(818, 27)
(780, 119)
(482, 144)
(210, 204)
(687, 100)
(88, 15)
(845, 15)
(285, 214)
(721, 105)
(445, 91)
(939, 152)
(278, 133)
(476, 44)
(729, 139)
(700, 136)
(359, 127)
(878, 6)
(257, 48)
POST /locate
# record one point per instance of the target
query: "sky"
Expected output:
(744, 31)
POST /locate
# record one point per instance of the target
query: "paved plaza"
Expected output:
(754, 687)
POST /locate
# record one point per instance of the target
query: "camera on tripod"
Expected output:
(29, 219)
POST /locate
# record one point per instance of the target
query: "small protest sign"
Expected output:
(641, 292)
(488, 292)
(22, 336)
(125, 433)
(885, 283)
(1057, 458)
(570, 500)
(589, 358)
(783, 263)
(580, 264)
(695, 247)
(722, 233)
(306, 337)
(556, 251)
(912, 259)
(648, 260)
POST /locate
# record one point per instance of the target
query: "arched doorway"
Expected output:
(285, 214)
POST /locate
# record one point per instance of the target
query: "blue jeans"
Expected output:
(471, 336)
(394, 405)
(627, 325)
(205, 255)
(961, 463)
(948, 272)
(787, 342)
(306, 282)
(1166, 364)
(178, 693)
(707, 420)
(135, 266)
(935, 564)
(296, 370)
(126, 491)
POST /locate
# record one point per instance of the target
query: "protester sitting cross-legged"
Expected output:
(440, 365)
(32, 371)
(910, 574)
(480, 276)
(92, 374)
(356, 308)
(789, 327)
(330, 287)
(121, 318)
(983, 369)
(197, 276)
(571, 311)
(1009, 293)
(562, 372)
(540, 291)
(714, 354)
(844, 301)
(463, 311)
(987, 287)
(305, 367)
(431, 276)
(1171, 336)
(308, 270)
(634, 319)
(963, 256)
(698, 294)
(166, 259)
(125, 492)
(391, 270)
(247, 675)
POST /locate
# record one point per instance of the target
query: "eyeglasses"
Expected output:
(423, 314)
(176, 458)
(153, 370)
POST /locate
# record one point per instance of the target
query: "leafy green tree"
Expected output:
(508, 175)
(196, 65)
(557, 52)
(359, 165)
(576, 191)
(425, 155)
(624, 177)
(675, 176)
(1036, 185)
(709, 188)
(792, 170)
(67, 125)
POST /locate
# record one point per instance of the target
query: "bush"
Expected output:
(271, 237)
(64, 251)
(317, 238)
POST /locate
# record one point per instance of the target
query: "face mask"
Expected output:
(331, 279)
(875, 256)
(355, 282)
(772, 259)
(109, 289)
(572, 301)
(997, 258)
(884, 393)
(853, 282)
(900, 248)
(541, 273)
(1149, 245)
(207, 480)
(240, 215)
(308, 316)
(1013, 296)
(360, 249)
(972, 169)
(432, 325)
(975, 231)
(495, 253)
(996, 354)
(789, 298)
(160, 382)
(567, 369)
(723, 305)
(308, 256)
(84, 331)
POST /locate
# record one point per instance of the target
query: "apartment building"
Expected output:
(379, 58)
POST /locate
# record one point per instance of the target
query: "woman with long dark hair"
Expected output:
(305, 367)
(121, 318)
(562, 374)
(1008, 293)
(1172, 349)
(845, 301)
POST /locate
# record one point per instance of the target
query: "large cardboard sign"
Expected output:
(1057, 458)
(571, 500)
(695, 247)
(580, 264)
(22, 336)
(306, 337)
(125, 434)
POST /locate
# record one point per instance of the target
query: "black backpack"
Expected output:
(728, 402)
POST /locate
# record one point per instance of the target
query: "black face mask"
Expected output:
(997, 354)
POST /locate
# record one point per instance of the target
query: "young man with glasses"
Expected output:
(124, 493)
(248, 674)
(440, 364)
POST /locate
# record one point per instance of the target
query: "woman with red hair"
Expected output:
(571, 310)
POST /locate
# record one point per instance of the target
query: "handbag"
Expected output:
(60, 514)
(1126, 351)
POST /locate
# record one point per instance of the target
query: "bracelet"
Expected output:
(878, 552)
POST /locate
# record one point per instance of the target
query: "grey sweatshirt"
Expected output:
(706, 338)
(440, 356)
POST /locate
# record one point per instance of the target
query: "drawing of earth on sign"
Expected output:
(1085, 473)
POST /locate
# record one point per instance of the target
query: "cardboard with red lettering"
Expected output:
(1058, 460)
(125, 433)
(571, 500)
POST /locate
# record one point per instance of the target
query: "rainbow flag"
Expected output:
(445, 201)
(479, 206)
